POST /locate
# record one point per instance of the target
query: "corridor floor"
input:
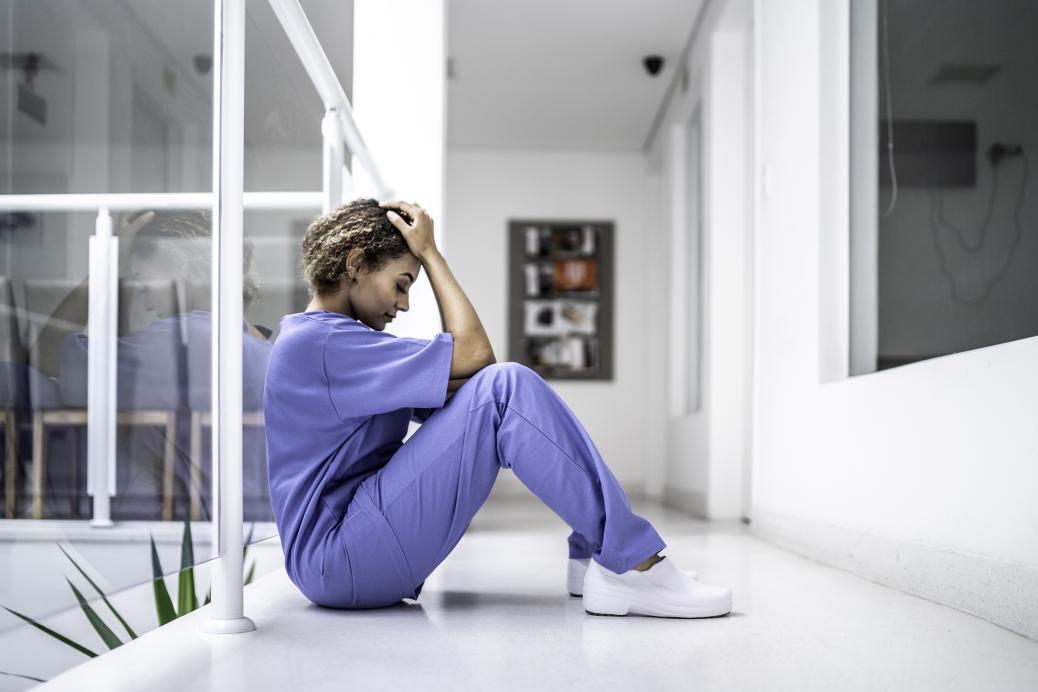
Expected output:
(496, 615)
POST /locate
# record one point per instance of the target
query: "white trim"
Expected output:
(157, 200)
(999, 591)
(863, 199)
(78, 531)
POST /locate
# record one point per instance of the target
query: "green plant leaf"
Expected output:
(248, 540)
(163, 603)
(105, 632)
(129, 631)
(62, 638)
(251, 572)
(186, 598)
(19, 675)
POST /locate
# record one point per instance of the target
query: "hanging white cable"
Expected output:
(889, 112)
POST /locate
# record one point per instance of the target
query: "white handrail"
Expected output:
(299, 31)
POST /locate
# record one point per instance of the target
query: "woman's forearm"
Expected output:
(472, 349)
(69, 317)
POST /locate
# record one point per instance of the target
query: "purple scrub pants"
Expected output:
(406, 518)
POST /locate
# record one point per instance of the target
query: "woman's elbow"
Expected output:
(469, 364)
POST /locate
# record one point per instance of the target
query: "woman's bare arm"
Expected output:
(472, 349)
(70, 317)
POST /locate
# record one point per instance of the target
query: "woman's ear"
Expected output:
(354, 261)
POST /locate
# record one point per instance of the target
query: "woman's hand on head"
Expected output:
(419, 233)
(126, 232)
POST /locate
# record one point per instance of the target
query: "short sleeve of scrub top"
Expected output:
(371, 372)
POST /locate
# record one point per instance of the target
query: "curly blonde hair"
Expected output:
(362, 224)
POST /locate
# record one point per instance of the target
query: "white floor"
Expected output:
(496, 615)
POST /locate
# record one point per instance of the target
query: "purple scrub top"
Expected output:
(337, 400)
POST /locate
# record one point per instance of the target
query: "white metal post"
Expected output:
(102, 315)
(227, 615)
(334, 160)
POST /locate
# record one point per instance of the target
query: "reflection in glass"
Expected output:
(106, 96)
(163, 370)
(953, 141)
(115, 96)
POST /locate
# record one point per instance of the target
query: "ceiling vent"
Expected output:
(965, 73)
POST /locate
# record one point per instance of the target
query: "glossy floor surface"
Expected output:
(496, 615)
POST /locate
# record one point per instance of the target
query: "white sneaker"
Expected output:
(575, 575)
(663, 590)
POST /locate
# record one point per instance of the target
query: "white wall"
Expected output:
(930, 466)
(707, 454)
(920, 477)
(399, 89)
(487, 188)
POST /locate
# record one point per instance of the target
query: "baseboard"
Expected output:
(1001, 592)
(689, 501)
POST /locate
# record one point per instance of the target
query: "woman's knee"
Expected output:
(507, 369)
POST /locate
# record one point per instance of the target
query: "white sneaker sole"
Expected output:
(633, 605)
(607, 596)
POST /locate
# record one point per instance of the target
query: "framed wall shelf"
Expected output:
(560, 298)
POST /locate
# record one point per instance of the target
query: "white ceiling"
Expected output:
(528, 74)
(282, 107)
(560, 74)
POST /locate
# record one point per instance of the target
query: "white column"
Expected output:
(227, 614)
(399, 102)
(726, 264)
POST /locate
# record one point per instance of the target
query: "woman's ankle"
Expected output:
(641, 567)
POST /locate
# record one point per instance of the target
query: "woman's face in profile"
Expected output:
(143, 270)
(378, 296)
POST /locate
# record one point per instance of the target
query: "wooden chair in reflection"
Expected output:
(14, 391)
(149, 365)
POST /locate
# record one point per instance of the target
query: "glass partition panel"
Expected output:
(115, 96)
(98, 96)
(106, 96)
